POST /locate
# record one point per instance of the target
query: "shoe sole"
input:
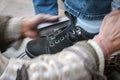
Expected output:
(29, 54)
(47, 28)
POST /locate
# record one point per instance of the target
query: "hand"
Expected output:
(110, 33)
(29, 25)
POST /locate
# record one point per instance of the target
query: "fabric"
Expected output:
(99, 53)
(91, 26)
(115, 4)
(3, 23)
(73, 63)
(85, 9)
(13, 29)
(9, 31)
(46, 6)
(87, 12)
(77, 62)
(88, 9)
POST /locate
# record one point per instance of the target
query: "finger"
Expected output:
(116, 12)
(31, 34)
(45, 18)
(110, 18)
(40, 18)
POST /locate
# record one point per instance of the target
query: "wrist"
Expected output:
(13, 30)
(23, 28)
(99, 53)
(103, 45)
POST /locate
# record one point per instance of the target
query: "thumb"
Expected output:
(40, 18)
(31, 34)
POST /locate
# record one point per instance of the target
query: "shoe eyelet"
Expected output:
(52, 37)
(52, 44)
(62, 38)
(78, 30)
(57, 41)
(73, 32)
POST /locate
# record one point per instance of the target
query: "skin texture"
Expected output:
(110, 32)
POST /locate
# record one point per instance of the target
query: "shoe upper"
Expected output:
(58, 40)
(37, 46)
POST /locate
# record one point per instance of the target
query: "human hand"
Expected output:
(109, 36)
(29, 25)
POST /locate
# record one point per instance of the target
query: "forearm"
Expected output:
(13, 30)
(77, 62)
(9, 31)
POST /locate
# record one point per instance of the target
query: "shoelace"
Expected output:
(66, 32)
(70, 26)
(59, 35)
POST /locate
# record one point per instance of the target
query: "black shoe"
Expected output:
(45, 29)
(58, 40)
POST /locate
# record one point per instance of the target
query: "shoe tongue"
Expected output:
(70, 26)
(72, 18)
(63, 31)
(72, 37)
